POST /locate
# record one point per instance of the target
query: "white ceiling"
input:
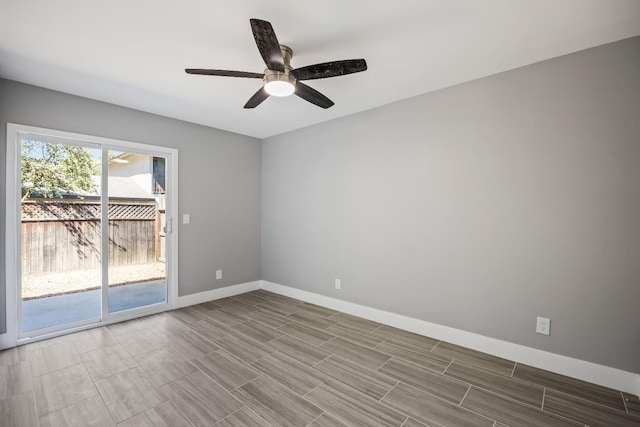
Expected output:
(133, 53)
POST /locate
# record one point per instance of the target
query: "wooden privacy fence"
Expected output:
(65, 235)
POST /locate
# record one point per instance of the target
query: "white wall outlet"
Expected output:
(218, 274)
(338, 284)
(543, 325)
(186, 218)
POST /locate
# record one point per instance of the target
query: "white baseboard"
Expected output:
(214, 294)
(576, 368)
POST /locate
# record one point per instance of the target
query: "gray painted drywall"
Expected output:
(219, 179)
(478, 207)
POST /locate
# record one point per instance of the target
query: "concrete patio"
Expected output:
(62, 309)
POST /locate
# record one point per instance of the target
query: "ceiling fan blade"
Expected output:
(268, 44)
(224, 73)
(257, 98)
(330, 69)
(313, 96)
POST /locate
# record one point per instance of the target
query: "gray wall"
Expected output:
(478, 207)
(219, 179)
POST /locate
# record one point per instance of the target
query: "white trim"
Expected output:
(214, 294)
(171, 244)
(576, 368)
(12, 258)
(91, 139)
(104, 231)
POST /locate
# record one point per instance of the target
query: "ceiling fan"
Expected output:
(280, 79)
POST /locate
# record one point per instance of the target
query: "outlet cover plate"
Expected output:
(543, 325)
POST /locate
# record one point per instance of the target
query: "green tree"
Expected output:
(50, 169)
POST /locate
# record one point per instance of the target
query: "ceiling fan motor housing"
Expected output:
(277, 83)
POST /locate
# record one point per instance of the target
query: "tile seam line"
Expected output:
(226, 416)
(259, 416)
(68, 406)
(264, 374)
(569, 394)
(590, 401)
(441, 399)
(517, 402)
(77, 403)
(624, 402)
(304, 395)
(311, 422)
(56, 370)
(366, 396)
(389, 391)
(465, 395)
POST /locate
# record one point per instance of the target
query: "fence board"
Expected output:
(67, 244)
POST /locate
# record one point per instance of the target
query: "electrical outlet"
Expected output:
(338, 284)
(218, 274)
(543, 325)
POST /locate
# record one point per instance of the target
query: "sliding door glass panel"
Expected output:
(60, 277)
(136, 268)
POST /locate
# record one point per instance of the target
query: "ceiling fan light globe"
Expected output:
(279, 84)
(279, 88)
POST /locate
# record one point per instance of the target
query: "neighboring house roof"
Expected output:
(123, 188)
(122, 158)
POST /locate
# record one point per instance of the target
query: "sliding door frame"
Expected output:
(13, 271)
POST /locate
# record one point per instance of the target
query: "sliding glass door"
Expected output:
(137, 230)
(60, 233)
(93, 228)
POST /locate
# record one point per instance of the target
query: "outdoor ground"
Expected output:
(49, 284)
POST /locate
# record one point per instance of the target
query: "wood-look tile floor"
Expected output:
(261, 359)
